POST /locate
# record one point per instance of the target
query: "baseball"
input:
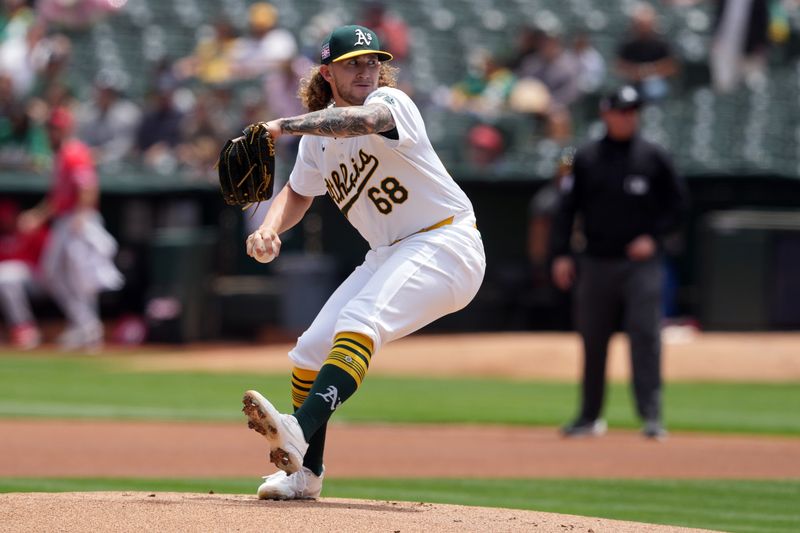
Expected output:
(268, 256)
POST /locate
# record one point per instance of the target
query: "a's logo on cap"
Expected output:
(326, 51)
(363, 38)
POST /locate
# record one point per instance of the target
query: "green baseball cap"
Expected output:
(350, 41)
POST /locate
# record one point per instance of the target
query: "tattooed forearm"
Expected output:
(341, 121)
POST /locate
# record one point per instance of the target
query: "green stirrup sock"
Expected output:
(302, 381)
(339, 377)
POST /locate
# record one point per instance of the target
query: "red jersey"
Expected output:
(23, 246)
(73, 170)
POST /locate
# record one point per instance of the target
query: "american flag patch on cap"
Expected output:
(326, 51)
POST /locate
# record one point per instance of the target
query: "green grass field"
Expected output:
(80, 387)
(90, 388)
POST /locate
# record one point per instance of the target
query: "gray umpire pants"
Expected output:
(609, 291)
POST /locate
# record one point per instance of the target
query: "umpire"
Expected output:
(628, 196)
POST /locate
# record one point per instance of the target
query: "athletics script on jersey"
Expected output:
(343, 181)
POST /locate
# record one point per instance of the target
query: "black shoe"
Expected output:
(585, 428)
(653, 429)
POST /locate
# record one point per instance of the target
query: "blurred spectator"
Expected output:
(22, 57)
(645, 59)
(23, 142)
(741, 41)
(15, 19)
(213, 58)
(528, 42)
(281, 86)
(55, 56)
(486, 149)
(160, 130)
(389, 27)
(555, 67)
(529, 96)
(266, 48)
(78, 260)
(559, 71)
(108, 123)
(591, 65)
(392, 31)
(485, 89)
(271, 53)
(19, 276)
(202, 130)
(743, 32)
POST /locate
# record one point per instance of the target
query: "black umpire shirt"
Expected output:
(622, 189)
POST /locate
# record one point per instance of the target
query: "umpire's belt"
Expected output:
(441, 223)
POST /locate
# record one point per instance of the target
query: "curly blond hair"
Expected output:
(315, 92)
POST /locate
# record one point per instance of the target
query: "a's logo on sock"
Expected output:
(332, 397)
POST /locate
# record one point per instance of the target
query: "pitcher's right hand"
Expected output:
(263, 245)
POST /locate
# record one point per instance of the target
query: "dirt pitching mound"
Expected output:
(141, 511)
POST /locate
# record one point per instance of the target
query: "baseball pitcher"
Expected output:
(364, 144)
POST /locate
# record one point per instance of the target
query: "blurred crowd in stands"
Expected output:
(233, 78)
(556, 78)
(192, 103)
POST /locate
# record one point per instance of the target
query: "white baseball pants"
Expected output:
(398, 289)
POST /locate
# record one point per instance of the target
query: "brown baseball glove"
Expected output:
(247, 166)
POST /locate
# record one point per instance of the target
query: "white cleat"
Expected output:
(287, 446)
(302, 485)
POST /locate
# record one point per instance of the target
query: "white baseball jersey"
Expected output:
(390, 190)
(387, 188)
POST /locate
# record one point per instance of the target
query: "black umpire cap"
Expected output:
(624, 98)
